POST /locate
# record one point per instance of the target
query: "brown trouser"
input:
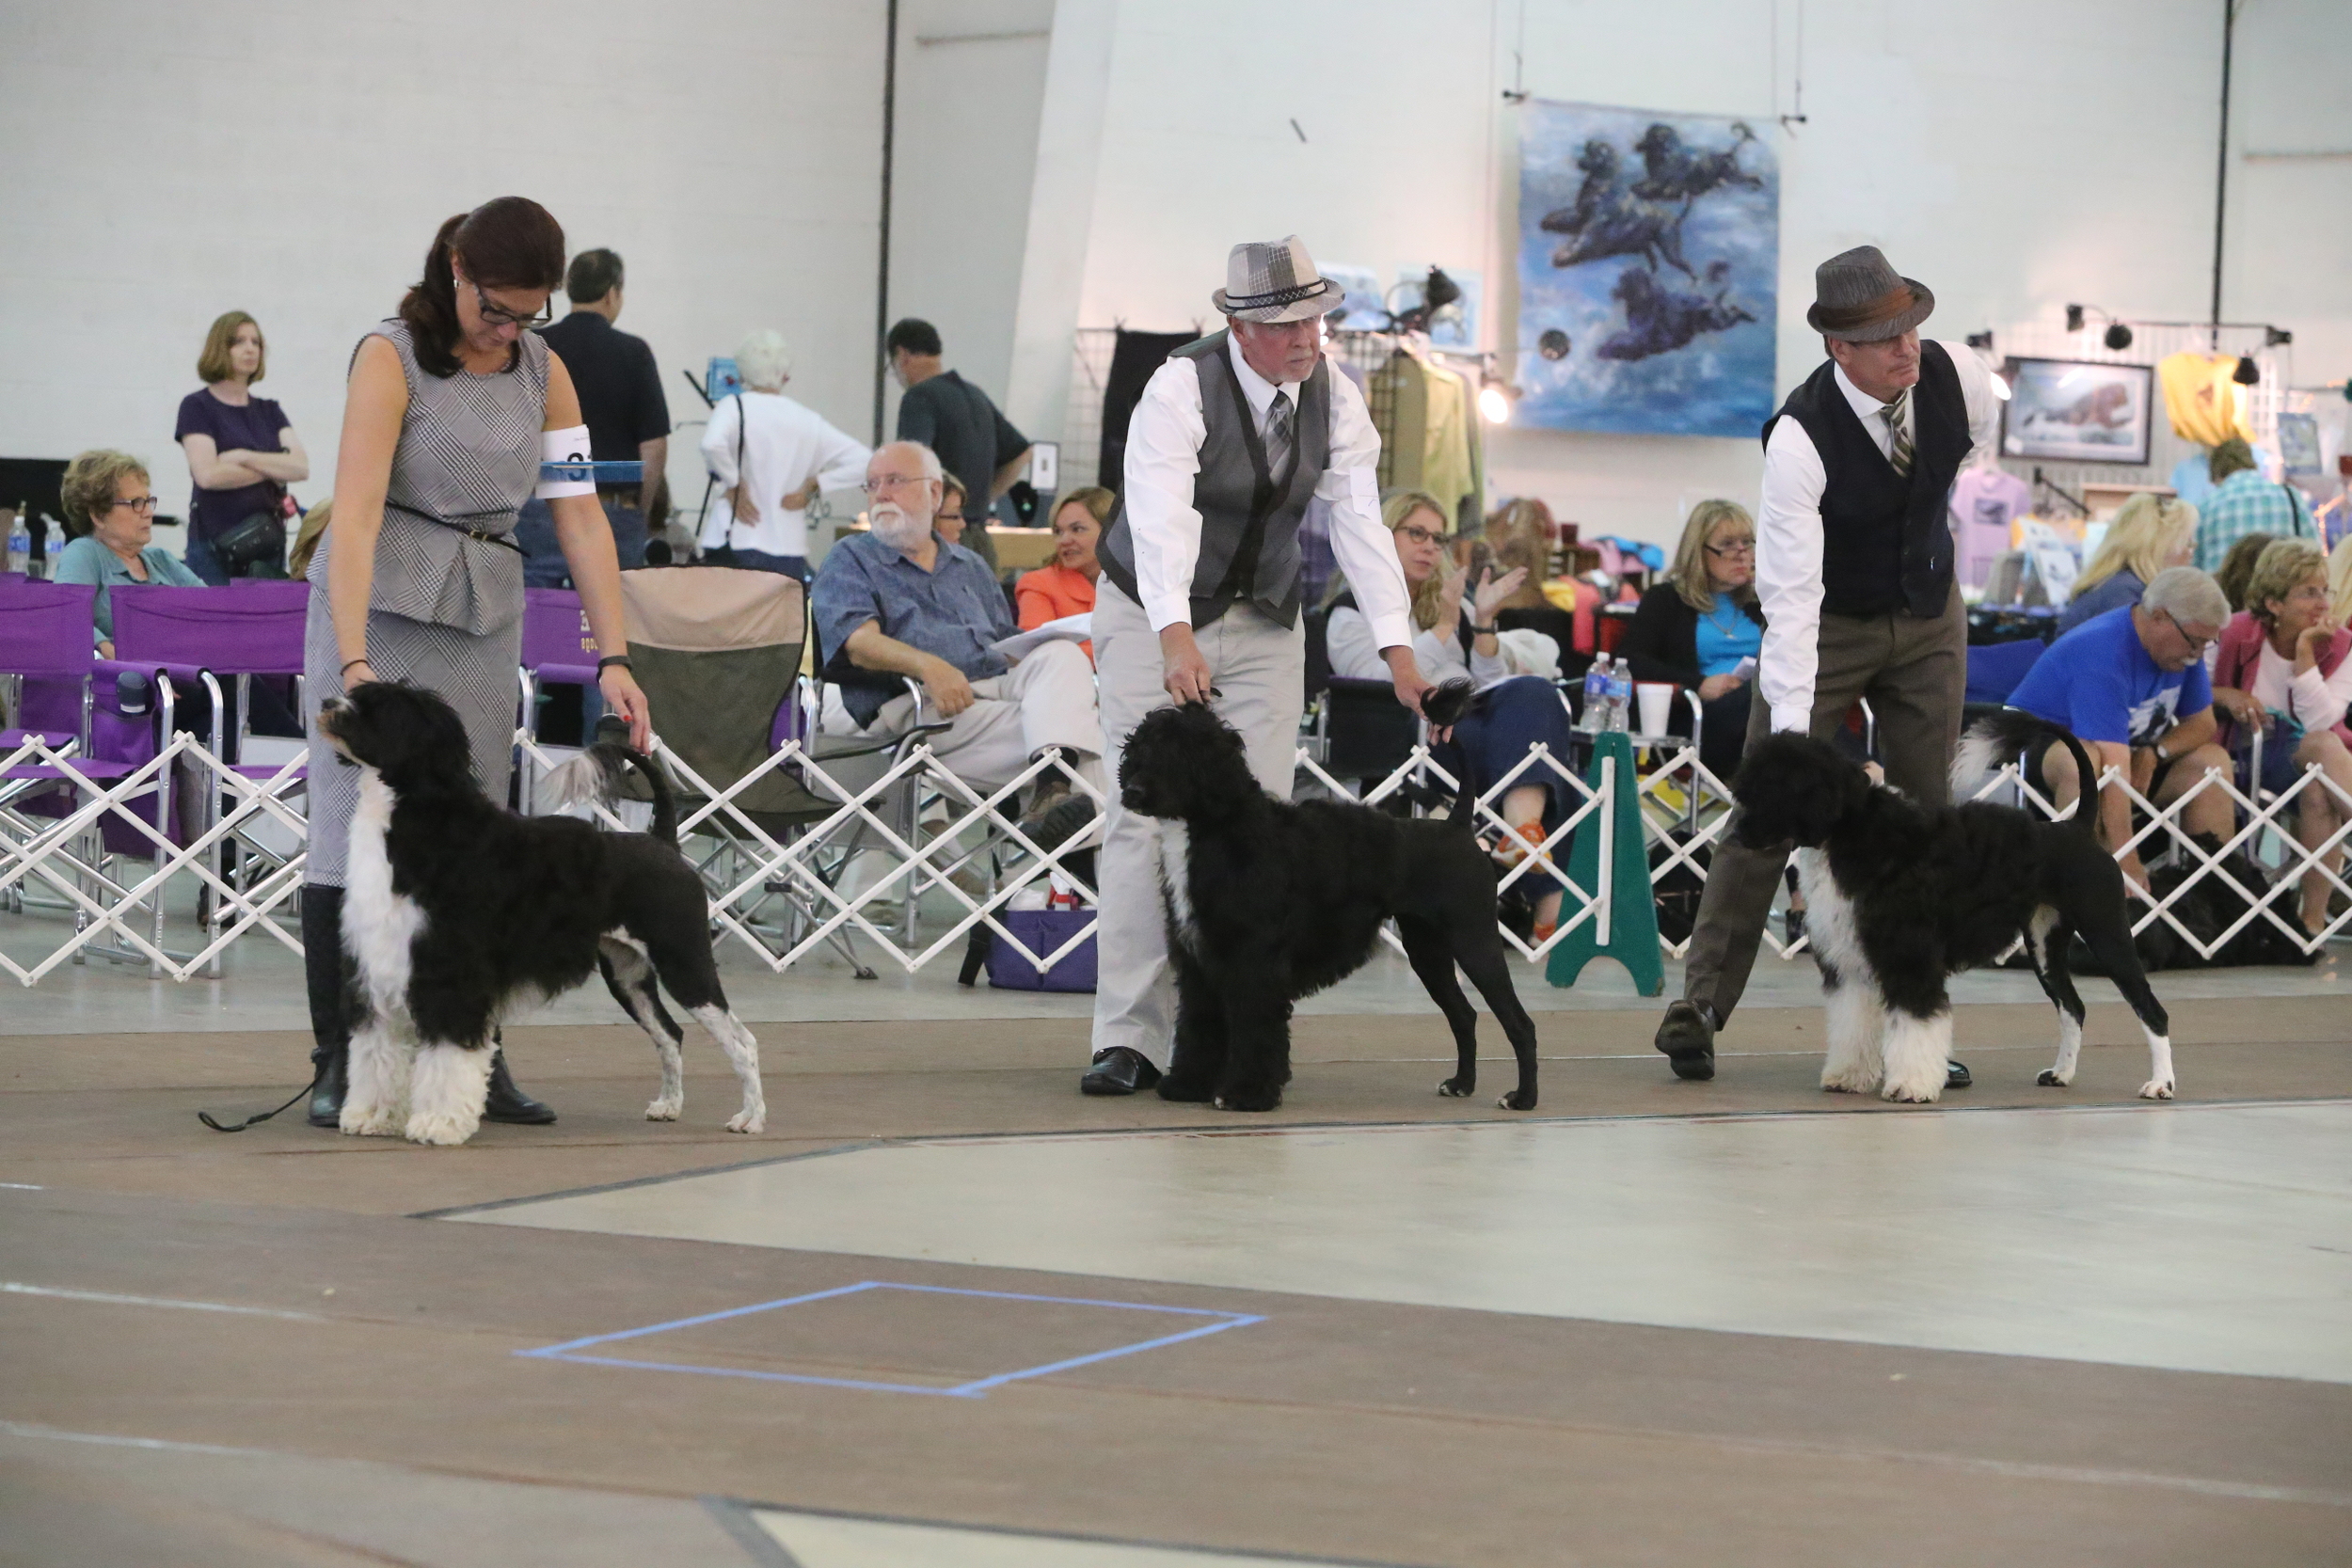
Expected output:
(1914, 673)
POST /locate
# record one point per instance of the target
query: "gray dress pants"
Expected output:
(1258, 667)
(1915, 671)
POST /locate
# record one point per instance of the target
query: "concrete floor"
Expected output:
(1654, 1323)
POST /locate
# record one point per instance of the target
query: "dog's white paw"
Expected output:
(1849, 1083)
(441, 1129)
(664, 1110)
(1451, 1090)
(1913, 1094)
(2051, 1078)
(381, 1121)
(2156, 1088)
(747, 1122)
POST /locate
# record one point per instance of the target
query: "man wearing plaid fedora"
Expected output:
(1198, 597)
(1854, 568)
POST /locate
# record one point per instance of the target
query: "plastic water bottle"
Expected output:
(1588, 719)
(19, 543)
(1620, 696)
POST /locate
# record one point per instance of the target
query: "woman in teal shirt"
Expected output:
(111, 506)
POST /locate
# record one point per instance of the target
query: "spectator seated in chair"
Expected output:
(1698, 623)
(1455, 637)
(952, 519)
(2149, 534)
(110, 510)
(902, 602)
(2131, 684)
(2282, 670)
(1067, 586)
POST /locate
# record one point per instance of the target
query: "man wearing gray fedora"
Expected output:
(1200, 592)
(1854, 568)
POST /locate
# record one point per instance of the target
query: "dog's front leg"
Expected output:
(1917, 1050)
(1197, 1061)
(1854, 1022)
(375, 1101)
(1257, 1051)
(448, 1086)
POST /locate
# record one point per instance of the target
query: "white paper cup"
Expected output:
(1657, 705)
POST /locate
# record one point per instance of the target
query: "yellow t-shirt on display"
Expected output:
(2203, 397)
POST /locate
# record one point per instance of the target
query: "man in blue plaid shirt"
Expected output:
(2242, 503)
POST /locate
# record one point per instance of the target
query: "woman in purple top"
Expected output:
(242, 453)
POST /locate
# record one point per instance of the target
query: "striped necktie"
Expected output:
(1899, 432)
(1278, 422)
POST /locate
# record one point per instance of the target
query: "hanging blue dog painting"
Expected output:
(1649, 257)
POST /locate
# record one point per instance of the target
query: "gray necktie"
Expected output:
(1278, 435)
(1899, 430)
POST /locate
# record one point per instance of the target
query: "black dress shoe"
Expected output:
(1118, 1070)
(1687, 1035)
(1956, 1075)
(507, 1103)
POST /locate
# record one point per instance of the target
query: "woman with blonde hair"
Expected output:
(1700, 627)
(241, 452)
(2149, 534)
(1455, 637)
(2282, 669)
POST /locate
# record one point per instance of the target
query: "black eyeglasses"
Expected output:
(1731, 547)
(1419, 535)
(2195, 645)
(145, 506)
(498, 315)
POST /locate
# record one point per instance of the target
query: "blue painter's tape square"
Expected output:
(575, 1350)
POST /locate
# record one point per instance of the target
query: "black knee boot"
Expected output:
(327, 973)
(505, 1101)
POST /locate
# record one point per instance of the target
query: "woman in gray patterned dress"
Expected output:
(417, 578)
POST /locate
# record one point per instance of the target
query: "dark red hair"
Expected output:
(509, 243)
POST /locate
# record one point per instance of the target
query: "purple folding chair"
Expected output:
(72, 699)
(188, 638)
(558, 650)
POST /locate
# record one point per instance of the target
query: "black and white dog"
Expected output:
(1901, 897)
(1269, 902)
(457, 908)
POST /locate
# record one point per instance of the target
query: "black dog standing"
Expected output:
(1269, 902)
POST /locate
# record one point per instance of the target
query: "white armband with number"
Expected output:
(559, 452)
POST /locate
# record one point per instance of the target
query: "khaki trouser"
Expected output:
(1259, 669)
(1914, 673)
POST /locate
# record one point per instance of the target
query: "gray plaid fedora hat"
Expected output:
(1857, 295)
(1275, 282)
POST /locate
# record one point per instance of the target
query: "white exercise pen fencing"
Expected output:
(916, 843)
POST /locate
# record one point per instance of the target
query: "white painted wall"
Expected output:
(167, 162)
(2014, 154)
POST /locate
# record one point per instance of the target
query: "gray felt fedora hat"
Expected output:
(1275, 282)
(1857, 295)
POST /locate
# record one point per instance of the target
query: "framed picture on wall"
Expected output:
(2077, 411)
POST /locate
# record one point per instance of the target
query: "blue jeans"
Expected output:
(543, 565)
(1512, 718)
(205, 565)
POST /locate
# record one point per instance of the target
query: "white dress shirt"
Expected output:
(784, 444)
(1164, 441)
(1789, 534)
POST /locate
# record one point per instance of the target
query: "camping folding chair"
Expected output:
(558, 650)
(188, 640)
(92, 737)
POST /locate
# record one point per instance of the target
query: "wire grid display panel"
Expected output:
(107, 894)
(2265, 825)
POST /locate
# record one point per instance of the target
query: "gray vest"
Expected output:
(1248, 516)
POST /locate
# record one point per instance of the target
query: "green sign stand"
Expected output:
(1608, 853)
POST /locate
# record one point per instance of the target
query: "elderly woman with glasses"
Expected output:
(110, 509)
(1455, 637)
(1701, 628)
(772, 455)
(2282, 670)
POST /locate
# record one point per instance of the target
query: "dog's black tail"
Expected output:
(2002, 737)
(595, 775)
(1445, 705)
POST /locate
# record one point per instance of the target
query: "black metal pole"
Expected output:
(882, 262)
(2221, 173)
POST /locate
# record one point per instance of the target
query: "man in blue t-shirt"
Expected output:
(2132, 686)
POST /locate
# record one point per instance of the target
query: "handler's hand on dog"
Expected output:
(950, 693)
(624, 696)
(1185, 673)
(1411, 688)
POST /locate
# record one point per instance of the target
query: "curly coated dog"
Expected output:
(458, 909)
(1269, 902)
(1901, 897)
